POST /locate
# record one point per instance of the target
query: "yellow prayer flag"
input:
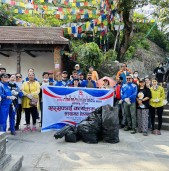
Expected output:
(69, 30)
(90, 15)
(87, 25)
(41, 0)
(94, 2)
(16, 11)
(73, 4)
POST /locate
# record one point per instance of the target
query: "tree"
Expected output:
(5, 18)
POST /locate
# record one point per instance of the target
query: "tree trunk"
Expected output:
(127, 32)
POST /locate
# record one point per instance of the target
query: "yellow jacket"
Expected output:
(157, 94)
(32, 88)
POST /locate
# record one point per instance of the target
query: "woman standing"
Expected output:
(156, 105)
(31, 90)
(143, 97)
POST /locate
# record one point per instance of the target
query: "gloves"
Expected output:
(120, 101)
(127, 100)
(29, 96)
(0, 98)
(14, 93)
(156, 100)
(12, 97)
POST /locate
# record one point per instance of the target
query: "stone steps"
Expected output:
(8, 162)
(165, 126)
(15, 164)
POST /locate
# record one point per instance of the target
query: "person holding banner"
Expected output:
(31, 90)
(64, 81)
(89, 83)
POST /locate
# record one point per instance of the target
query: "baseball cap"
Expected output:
(77, 65)
(64, 72)
(141, 80)
(4, 75)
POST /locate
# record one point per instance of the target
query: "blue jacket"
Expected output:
(85, 82)
(129, 90)
(62, 83)
(6, 92)
(123, 75)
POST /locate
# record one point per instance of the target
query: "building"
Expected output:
(22, 48)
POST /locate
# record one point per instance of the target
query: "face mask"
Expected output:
(46, 79)
(135, 75)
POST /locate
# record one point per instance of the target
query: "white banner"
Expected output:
(69, 105)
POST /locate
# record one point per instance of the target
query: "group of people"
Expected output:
(138, 99)
(19, 94)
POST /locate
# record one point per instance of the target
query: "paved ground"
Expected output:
(134, 152)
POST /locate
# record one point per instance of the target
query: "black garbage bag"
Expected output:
(72, 136)
(89, 131)
(62, 132)
(110, 124)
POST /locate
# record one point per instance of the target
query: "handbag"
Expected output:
(34, 101)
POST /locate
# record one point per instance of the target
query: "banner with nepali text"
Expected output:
(69, 105)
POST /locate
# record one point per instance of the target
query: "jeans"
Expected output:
(12, 112)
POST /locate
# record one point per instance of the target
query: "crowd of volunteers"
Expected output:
(138, 99)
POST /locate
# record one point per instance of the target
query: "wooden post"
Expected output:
(19, 61)
(57, 61)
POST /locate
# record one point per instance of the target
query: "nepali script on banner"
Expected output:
(69, 105)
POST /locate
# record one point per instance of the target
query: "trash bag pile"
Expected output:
(101, 124)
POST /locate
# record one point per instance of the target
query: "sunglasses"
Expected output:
(128, 78)
(18, 77)
(5, 77)
(105, 80)
(123, 66)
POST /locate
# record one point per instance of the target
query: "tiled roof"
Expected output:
(32, 35)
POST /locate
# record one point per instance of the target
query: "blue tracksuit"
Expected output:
(85, 83)
(129, 90)
(62, 83)
(5, 105)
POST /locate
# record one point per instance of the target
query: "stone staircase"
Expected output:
(8, 162)
(165, 124)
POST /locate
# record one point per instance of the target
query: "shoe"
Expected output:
(145, 133)
(34, 129)
(9, 129)
(127, 128)
(158, 132)
(26, 129)
(154, 132)
(122, 126)
(133, 131)
(13, 133)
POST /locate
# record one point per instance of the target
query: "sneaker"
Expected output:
(158, 132)
(26, 129)
(34, 129)
(127, 128)
(133, 131)
(13, 133)
(154, 132)
(145, 133)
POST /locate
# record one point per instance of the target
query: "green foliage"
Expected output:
(90, 54)
(130, 53)
(5, 16)
(110, 56)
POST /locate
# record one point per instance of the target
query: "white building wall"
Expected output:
(43, 61)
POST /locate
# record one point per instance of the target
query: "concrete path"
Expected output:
(134, 153)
